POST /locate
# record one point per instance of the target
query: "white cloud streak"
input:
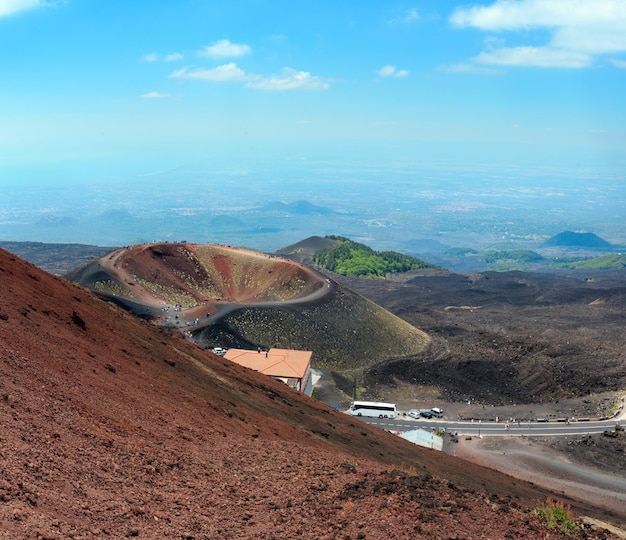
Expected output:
(154, 95)
(224, 73)
(10, 7)
(225, 49)
(410, 16)
(173, 57)
(392, 71)
(580, 30)
(156, 57)
(535, 57)
(468, 68)
(286, 79)
(289, 79)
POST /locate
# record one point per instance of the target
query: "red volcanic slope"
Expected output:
(114, 428)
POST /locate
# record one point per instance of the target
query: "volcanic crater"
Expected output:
(233, 297)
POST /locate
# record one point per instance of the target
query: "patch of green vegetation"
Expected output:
(558, 516)
(113, 288)
(613, 408)
(171, 295)
(460, 252)
(604, 262)
(350, 258)
(518, 255)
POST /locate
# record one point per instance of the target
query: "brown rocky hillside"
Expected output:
(113, 428)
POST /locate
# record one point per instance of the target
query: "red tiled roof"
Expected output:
(286, 363)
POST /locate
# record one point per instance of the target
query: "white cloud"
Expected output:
(154, 95)
(579, 30)
(391, 71)
(410, 16)
(289, 79)
(468, 68)
(173, 57)
(9, 7)
(225, 49)
(224, 73)
(535, 57)
(621, 64)
(156, 57)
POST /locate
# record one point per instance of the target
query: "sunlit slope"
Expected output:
(345, 331)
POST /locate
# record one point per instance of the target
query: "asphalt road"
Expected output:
(493, 429)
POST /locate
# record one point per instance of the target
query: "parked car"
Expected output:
(219, 351)
(437, 412)
(426, 414)
(414, 414)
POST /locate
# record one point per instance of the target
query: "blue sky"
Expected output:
(89, 87)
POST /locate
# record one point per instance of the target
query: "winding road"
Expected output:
(500, 429)
(514, 452)
(522, 428)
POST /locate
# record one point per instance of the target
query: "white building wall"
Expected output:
(424, 438)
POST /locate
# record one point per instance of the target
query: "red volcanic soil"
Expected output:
(113, 428)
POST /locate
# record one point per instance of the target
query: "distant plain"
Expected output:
(414, 208)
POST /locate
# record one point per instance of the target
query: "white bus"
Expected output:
(374, 409)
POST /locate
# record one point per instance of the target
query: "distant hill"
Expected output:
(460, 252)
(297, 207)
(575, 239)
(517, 255)
(349, 258)
(305, 250)
(605, 262)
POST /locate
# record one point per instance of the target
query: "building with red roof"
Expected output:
(290, 366)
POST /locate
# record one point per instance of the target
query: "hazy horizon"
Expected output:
(411, 209)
